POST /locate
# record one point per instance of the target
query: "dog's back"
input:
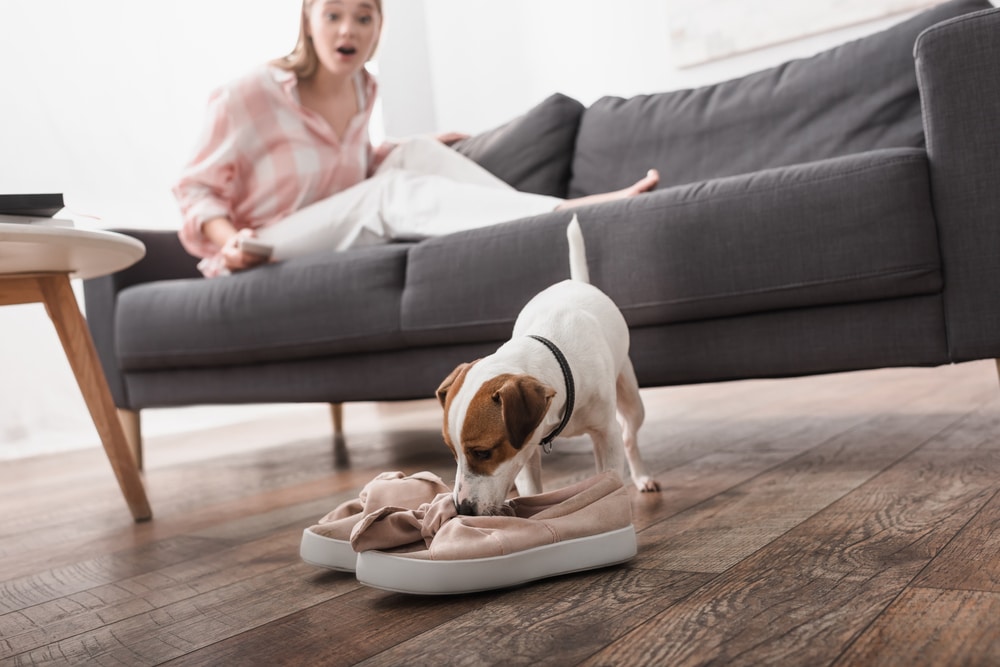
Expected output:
(573, 312)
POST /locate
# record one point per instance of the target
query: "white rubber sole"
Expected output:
(327, 552)
(446, 577)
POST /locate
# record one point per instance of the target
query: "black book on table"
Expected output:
(33, 205)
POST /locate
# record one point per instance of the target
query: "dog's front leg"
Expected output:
(529, 479)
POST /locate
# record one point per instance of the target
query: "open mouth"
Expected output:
(347, 50)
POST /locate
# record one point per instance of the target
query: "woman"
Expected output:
(286, 158)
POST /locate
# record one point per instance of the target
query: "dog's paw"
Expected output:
(647, 484)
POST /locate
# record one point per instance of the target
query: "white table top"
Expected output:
(82, 253)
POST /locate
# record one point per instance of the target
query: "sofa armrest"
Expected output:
(958, 72)
(165, 259)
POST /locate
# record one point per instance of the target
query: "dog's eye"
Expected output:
(482, 454)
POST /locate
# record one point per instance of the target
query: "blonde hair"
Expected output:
(303, 59)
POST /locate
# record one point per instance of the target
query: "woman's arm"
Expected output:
(204, 190)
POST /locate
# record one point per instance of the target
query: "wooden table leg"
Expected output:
(74, 335)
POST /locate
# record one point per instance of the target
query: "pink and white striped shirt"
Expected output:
(263, 156)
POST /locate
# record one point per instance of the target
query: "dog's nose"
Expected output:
(467, 508)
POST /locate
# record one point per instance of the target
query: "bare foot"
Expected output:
(644, 184)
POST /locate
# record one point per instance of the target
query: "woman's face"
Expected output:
(344, 33)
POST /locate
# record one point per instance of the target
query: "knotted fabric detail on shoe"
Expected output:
(390, 527)
(387, 489)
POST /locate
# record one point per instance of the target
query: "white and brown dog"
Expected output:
(565, 371)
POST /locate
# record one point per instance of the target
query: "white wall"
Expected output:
(490, 61)
(103, 99)
(109, 93)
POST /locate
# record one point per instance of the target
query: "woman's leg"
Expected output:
(644, 184)
(425, 155)
(421, 205)
(422, 189)
(418, 205)
(429, 156)
(346, 219)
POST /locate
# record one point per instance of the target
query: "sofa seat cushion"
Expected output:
(298, 309)
(857, 97)
(844, 230)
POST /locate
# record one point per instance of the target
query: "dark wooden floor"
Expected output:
(851, 519)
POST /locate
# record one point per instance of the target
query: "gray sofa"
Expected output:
(835, 213)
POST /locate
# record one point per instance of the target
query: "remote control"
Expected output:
(255, 247)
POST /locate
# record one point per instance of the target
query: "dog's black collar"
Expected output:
(570, 391)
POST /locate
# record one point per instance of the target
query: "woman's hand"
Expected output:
(222, 232)
(236, 258)
(448, 138)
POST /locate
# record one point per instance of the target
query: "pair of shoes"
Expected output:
(328, 543)
(431, 550)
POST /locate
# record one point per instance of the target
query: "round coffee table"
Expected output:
(36, 264)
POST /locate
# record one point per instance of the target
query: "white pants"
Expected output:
(422, 189)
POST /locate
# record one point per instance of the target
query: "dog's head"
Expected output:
(488, 421)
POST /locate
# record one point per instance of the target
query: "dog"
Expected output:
(565, 370)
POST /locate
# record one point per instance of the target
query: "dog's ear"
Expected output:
(524, 402)
(460, 370)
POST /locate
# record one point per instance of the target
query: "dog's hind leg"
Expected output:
(632, 413)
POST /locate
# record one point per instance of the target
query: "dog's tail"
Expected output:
(577, 252)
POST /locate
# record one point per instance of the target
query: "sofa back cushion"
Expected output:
(532, 152)
(857, 97)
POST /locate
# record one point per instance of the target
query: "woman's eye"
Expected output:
(365, 20)
(333, 17)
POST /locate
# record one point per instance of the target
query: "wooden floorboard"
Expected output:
(969, 562)
(929, 627)
(811, 591)
(850, 519)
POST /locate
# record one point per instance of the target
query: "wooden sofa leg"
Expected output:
(337, 413)
(341, 457)
(132, 426)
